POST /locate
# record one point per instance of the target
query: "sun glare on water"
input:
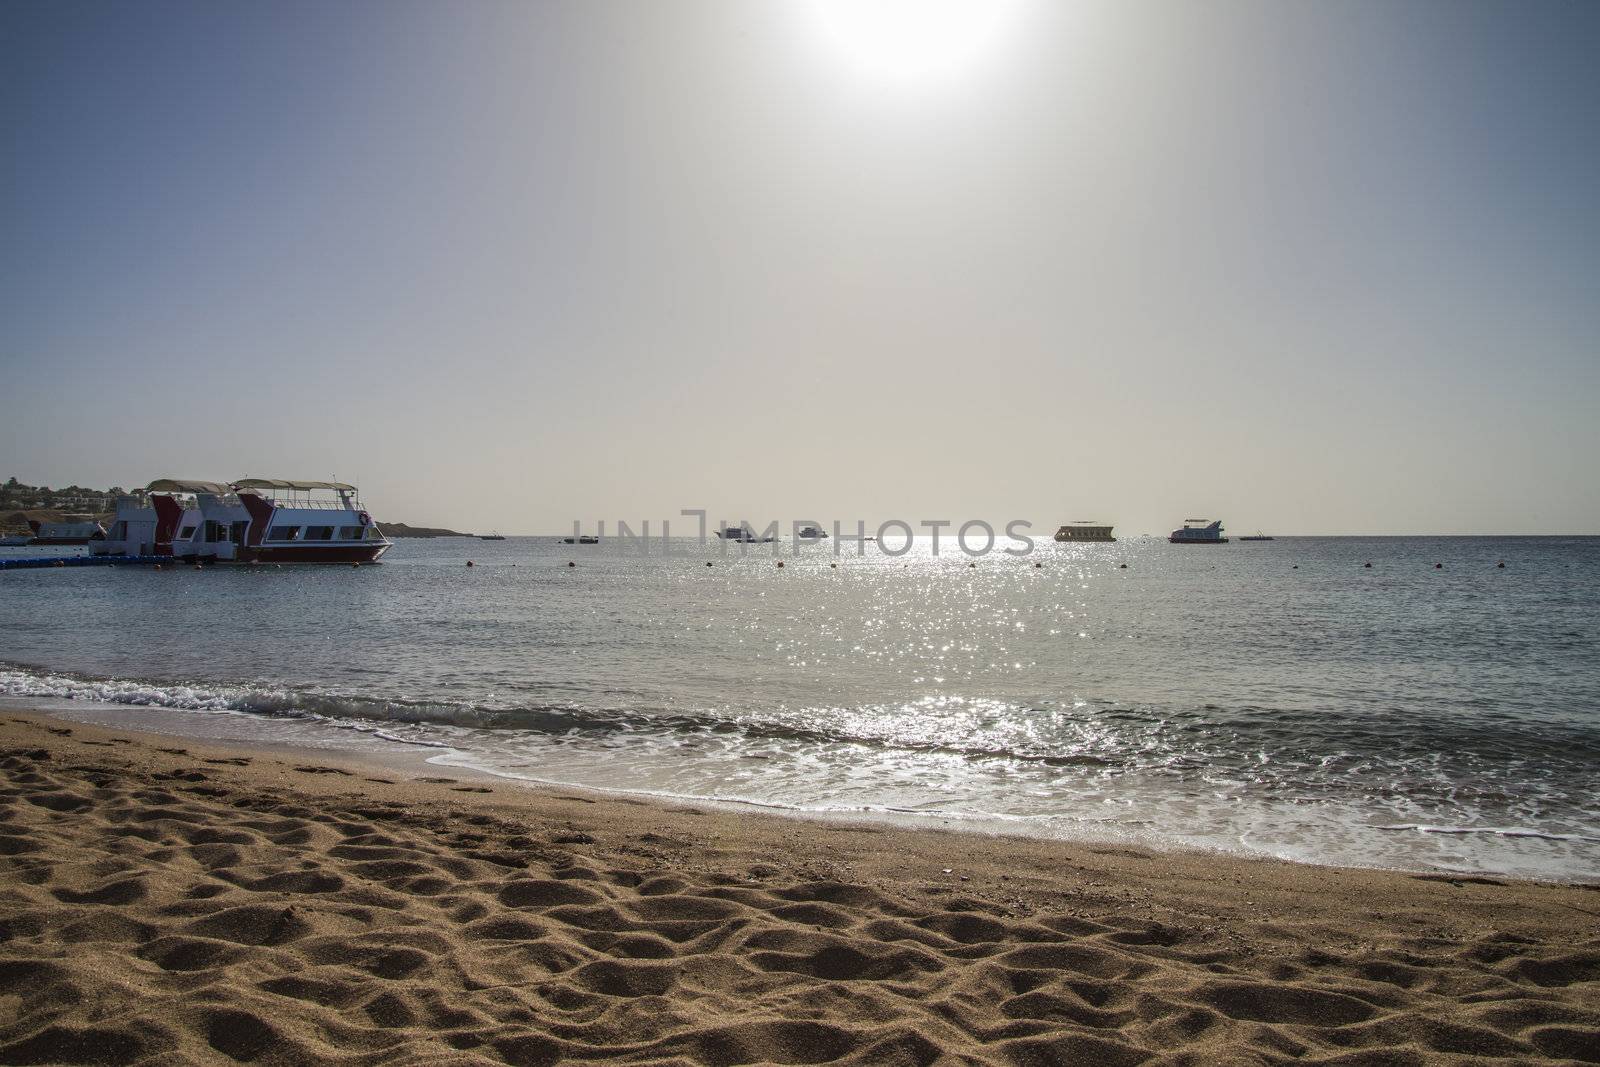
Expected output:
(914, 41)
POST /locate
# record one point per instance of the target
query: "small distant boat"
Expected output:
(811, 533)
(1257, 536)
(1198, 532)
(491, 537)
(1084, 530)
(743, 534)
(586, 539)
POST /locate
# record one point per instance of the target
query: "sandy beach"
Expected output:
(173, 903)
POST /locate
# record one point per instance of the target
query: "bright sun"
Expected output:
(914, 40)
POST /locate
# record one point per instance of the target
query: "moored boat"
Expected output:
(159, 520)
(1084, 530)
(253, 520)
(65, 533)
(743, 534)
(1198, 532)
(307, 522)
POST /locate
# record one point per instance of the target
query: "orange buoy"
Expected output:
(1438, 566)
(1369, 566)
(569, 563)
(1123, 567)
(780, 564)
(1036, 566)
(708, 563)
(835, 566)
(469, 563)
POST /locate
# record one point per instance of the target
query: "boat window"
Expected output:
(351, 533)
(119, 530)
(186, 533)
(284, 533)
(319, 533)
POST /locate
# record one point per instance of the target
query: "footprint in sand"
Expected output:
(322, 770)
(380, 781)
(174, 751)
(231, 761)
(436, 781)
(471, 789)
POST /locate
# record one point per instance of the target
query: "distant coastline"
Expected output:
(400, 529)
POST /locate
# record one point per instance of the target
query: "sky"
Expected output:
(1310, 268)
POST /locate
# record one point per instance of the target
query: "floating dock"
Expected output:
(83, 561)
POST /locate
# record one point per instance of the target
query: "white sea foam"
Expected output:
(20, 683)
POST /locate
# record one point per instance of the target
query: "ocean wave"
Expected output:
(551, 720)
(1494, 831)
(1240, 749)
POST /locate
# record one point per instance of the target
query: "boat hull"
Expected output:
(1197, 540)
(354, 553)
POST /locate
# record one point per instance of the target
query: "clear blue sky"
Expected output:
(1311, 267)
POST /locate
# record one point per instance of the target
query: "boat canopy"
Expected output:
(283, 483)
(186, 485)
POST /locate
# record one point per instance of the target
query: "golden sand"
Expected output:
(168, 903)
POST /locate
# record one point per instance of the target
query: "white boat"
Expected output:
(65, 533)
(1084, 530)
(743, 534)
(253, 520)
(811, 533)
(1198, 532)
(148, 521)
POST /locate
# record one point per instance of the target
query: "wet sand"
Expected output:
(172, 903)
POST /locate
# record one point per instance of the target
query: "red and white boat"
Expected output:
(252, 520)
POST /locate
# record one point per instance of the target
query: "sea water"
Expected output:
(1277, 698)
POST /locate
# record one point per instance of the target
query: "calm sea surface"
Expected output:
(1276, 697)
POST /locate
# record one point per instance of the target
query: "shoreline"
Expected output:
(410, 758)
(386, 752)
(279, 905)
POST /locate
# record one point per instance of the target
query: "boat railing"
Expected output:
(311, 504)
